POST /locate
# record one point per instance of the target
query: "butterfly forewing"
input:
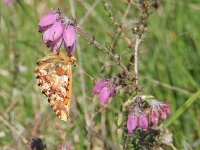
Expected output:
(54, 76)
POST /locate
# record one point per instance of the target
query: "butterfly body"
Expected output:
(54, 76)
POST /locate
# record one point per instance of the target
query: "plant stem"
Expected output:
(92, 40)
(136, 58)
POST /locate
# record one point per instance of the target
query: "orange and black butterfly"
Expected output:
(54, 76)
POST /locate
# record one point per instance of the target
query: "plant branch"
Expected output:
(136, 58)
(116, 58)
(13, 129)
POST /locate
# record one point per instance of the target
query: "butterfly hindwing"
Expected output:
(54, 76)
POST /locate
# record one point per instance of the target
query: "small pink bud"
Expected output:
(153, 119)
(69, 49)
(53, 33)
(105, 89)
(132, 123)
(55, 45)
(47, 20)
(69, 37)
(98, 86)
(104, 95)
(163, 115)
(165, 107)
(46, 35)
(143, 122)
(159, 111)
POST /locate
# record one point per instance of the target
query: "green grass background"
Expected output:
(168, 66)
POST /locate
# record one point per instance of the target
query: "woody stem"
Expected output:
(136, 48)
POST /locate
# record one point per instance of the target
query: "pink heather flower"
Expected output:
(143, 122)
(158, 111)
(57, 29)
(132, 123)
(46, 35)
(163, 115)
(47, 20)
(55, 45)
(104, 95)
(154, 117)
(69, 37)
(136, 118)
(7, 2)
(98, 86)
(105, 90)
(165, 108)
(53, 33)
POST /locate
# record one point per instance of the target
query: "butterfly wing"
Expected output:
(54, 76)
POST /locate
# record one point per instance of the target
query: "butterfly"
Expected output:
(54, 76)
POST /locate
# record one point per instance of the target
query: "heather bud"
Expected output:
(158, 111)
(165, 108)
(163, 115)
(47, 20)
(143, 122)
(105, 90)
(55, 45)
(153, 118)
(46, 35)
(136, 118)
(132, 123)
(98, 86)
(69, 37)
(56, 31)
(104, 95)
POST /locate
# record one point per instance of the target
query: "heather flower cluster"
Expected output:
(105, 90)
(136, 118)
(158, 111)
(57, 30)
(143, 117)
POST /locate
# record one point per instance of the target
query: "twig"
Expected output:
(109, 143)
(4, 121)
(137, 42)
(120, 32)
(90, 11)
(92, 40)
(178, 89)
(89, 76)
(117, 24)
(17, 97)
(94, 13)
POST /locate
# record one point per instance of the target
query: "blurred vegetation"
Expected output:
(168, 66)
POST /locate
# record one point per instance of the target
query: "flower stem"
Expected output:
(136, 58)
(115, 57)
